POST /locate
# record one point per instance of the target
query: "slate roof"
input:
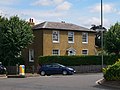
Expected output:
(60, 26)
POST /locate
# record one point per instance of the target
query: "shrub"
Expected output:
(77, 60)
(112, 72)
(18, 60)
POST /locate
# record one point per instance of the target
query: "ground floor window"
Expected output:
(31, 55)
(55, 52)
(84, 52)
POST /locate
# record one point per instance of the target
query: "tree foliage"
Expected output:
(15, 34)
(98, 34)
(112, 39)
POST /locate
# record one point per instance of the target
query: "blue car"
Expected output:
(55, 68)
(2, 69)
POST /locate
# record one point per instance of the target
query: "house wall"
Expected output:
(63, 45)
(38, 43)
(37, 46)
(91, 44)
(43, 45)
(25, 55)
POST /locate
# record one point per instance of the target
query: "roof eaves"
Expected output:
(44, 26)
(89, 30)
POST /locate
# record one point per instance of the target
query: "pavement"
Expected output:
(103, 82)
(3, 76)
(112, 84)
(19, 76)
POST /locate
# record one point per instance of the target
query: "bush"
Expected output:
(18, 60)
(112, 72)
(78, 60)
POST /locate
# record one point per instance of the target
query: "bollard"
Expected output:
(22, 70)
(17, 69)
(33, 69)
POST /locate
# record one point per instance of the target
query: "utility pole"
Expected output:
(101, 13)
(102, 31)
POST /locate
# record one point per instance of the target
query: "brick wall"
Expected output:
(43, 44)
(63, 45)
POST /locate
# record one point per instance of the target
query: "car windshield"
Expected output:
(61, 65)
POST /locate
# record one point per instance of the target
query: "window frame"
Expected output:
(85, 39)
(54, 53)
(84, 50)
(53, 36)
(70, 36)
(31, 55)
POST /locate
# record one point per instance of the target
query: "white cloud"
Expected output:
(119, 12)
(89, 21)
(42, 13)
(42, 3)
(86, 21)
(94, 20)
(64, 6)
(28, 13)
(58, 1)
(107, 8)
(59, 4)
(8, 2)
(47, 2)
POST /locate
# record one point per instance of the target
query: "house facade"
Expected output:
(59, 38)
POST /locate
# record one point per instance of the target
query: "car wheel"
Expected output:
(64, 72)
(42, 73)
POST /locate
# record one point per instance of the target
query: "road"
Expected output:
(55, 82)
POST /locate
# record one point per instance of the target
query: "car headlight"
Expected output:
(4, 68)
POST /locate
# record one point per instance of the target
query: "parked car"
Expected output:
(2, 69)
(55, 68)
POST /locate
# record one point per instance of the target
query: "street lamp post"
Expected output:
(102, 31)
(101, 13)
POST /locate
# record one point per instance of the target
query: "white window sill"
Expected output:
(56, 42)
(31, 60)
(70, 42)
(85, 42)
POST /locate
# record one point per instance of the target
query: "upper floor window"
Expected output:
(84, 37)
(55, 52)
(55, 36)
(70, 37)
(31, 55)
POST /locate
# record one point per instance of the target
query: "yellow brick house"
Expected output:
(60, 38)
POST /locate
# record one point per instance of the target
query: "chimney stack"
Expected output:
(62, 21)
(31, 22)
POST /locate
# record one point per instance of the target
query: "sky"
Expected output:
(81, 12)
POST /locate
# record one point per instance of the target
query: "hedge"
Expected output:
(112, 72)
(78, 60)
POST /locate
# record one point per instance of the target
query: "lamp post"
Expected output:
(101, 13)
(102, 31)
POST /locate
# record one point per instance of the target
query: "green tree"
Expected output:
(112, 39)
(15, 35)
(98, 34)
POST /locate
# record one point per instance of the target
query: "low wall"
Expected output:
(88, 68)
(11, 70)
(79, 69)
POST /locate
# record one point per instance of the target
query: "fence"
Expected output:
(79, 69)
(12, 70)
(88, 68)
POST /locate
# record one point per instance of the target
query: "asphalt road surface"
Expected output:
(54, 82)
